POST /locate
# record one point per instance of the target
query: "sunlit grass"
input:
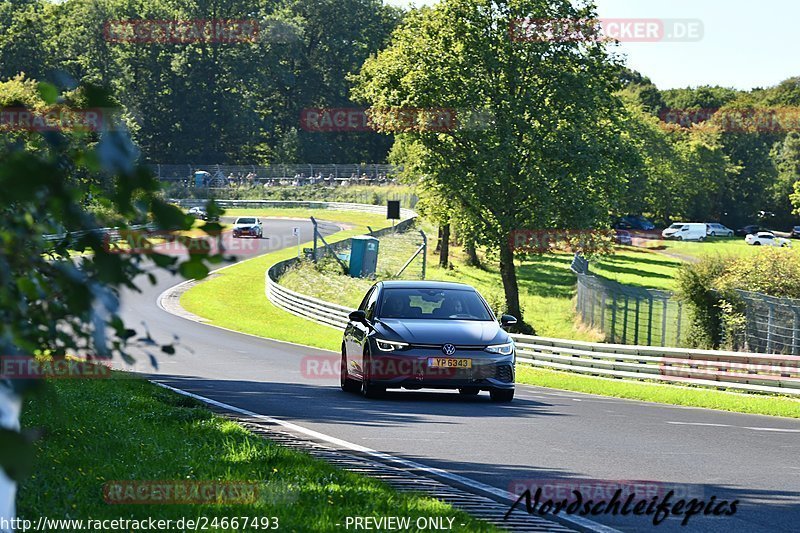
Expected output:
(661, 393)
(95, 431)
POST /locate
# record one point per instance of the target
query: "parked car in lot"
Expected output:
(748, 230)
(634, 222)
(796, 232)
(427, 334)
(766, 238)
(624, 237)
(715, 229)
(685, 231)
(248, 226)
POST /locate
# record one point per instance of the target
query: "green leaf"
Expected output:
(48, 92)
(193, 269)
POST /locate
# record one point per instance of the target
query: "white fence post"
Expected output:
(10, 408)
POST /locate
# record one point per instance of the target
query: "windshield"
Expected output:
(676, 226)
(246, 221)
(436, 304)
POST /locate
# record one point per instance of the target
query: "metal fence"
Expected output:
(367, 172)
(628, 314)
(772, 325)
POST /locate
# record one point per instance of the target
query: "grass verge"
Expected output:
(242, 287)
(130, 430)
(546, 291)
(661, 393)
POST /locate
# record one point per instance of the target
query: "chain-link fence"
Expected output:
(627, 314)
(772, 325)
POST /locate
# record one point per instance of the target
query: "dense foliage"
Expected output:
(210, 102)
(550, 135)
(59, 298)
(710, 286)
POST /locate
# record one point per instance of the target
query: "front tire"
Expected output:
(501, 395)
(347, 384)
(369, 389)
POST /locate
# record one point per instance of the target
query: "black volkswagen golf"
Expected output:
(427, 334)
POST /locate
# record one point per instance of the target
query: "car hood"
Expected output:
(457, 332)
(245, 225)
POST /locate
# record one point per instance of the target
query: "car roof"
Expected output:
(419, 284)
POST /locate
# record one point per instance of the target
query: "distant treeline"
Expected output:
(227, 83)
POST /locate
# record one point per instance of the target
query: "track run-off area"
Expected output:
(543, 436)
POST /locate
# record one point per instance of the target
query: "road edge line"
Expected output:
(584, 523)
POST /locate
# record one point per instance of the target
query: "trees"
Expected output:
(206, 102)
(550, 150)
(55, 302)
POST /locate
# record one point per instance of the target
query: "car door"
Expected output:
(360, 332)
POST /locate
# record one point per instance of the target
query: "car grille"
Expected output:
(504, 374)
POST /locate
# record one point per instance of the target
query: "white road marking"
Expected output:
(700, 424)
(577, 520)
(779, 430)
(776, 430)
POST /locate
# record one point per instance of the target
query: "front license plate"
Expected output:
(449, 362)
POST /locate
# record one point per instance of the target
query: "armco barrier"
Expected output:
(751, 372)
(310, 204)
(326, 313)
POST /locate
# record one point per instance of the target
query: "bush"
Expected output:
(696, 287)
(772, 271)
(710, 287)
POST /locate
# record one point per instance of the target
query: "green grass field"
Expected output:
(99, 431)
(547, 288)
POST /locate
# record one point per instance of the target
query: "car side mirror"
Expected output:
(358, 316)
(507, 320)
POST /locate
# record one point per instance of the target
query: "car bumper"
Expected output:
(412, 370)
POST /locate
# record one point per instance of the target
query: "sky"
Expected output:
(744, 44)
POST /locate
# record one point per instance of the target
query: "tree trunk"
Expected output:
(444, 249)
(10, 407)
(438, 242)
(472, 253)
(509, 277)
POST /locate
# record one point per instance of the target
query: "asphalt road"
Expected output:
(544, 435)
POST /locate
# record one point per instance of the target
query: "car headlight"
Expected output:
(502, 349)
(390, 346)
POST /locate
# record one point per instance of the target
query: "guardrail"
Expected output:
(112, 233)
(405, 213)
(753, 372)
(327, 313)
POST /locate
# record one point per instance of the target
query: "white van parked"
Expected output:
(686, 231)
